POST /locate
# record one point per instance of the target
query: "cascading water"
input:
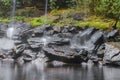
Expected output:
(7, 39)
(46, 9)
(86, 39)
(44, 40)
(85, 9)
(10, 30)
(13, 10)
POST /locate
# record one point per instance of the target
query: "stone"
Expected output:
(56, 30)
(112, 35)
(64, 54)
(112, 53)
(59, 41)
(2, 55)
(38, 42)
(18, 51)
(29, 55)
(78, 16)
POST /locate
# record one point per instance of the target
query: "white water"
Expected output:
(6, 44)
(13, 10)
(85, 9)
(10, 32)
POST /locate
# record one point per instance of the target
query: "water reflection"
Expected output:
(37, 71)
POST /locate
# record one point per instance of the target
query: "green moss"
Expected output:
(100, 25)
(40, 21)
(64, 22)
(80, 23)
(7, 20)
(118, 25)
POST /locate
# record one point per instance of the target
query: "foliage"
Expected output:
(118, 25)
(108, 8)
(27, 11)
(34, 22)
(5, 7)
(53, 4)
(6, 20)
(58, 4)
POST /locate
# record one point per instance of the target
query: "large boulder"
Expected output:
(112, 53)
(65, 54)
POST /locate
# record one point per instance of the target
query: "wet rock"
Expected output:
(73, 30)
(18, 51)
(67, 44)
(56, 30)
(65, 29)
(7, 60)
(29, 55)
(89, 39)
(47, 27)
(2, 55)
(100, 51)
(63, 35)
(64, 54)
(2, 34)
(17, 42)
(78, 16)
(112, 53)
(112, 34)
(42, 57)
(38, 42)
(20, 60)
(38, 32)
(59, 41)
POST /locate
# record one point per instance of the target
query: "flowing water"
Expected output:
(11, 29)
(85, 9)
(13, 10)
(46, 10)
(6, 42)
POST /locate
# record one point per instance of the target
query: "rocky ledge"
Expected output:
(65, 44)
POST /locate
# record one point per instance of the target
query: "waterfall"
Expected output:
(7, 41)
(85, 9)
(13, 10)
(46, 8)
(11, 29)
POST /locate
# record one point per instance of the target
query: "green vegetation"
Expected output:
(100, 13)
(40, 21)
(118, 25)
